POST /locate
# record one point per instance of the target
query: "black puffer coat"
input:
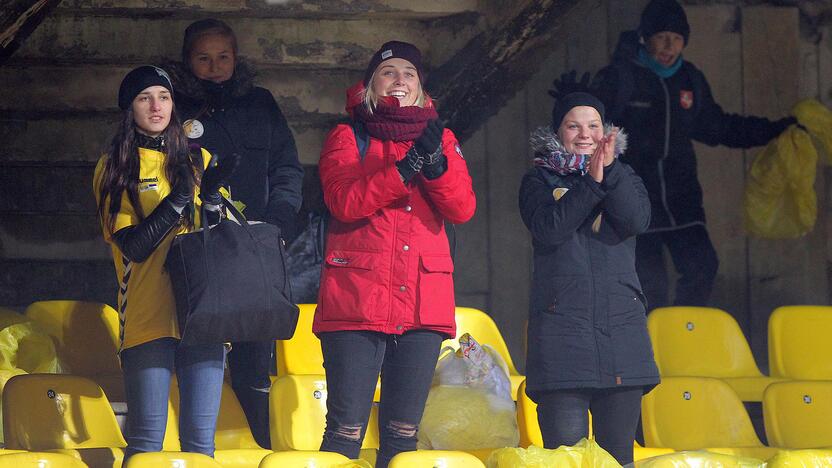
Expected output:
(587, 322)
(238, 117)
(663, 116)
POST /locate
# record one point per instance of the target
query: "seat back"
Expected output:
(304, 459)
(85, 334)
(435, 458)
(699, 342)
(171, 460)
(691, 413)
(484, 330)
(233, 431)
(57, 411)
(798, 342)
(297, 414)
(301, 354)
(40, 460)
(798, 414)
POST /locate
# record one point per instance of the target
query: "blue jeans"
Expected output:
(147, 373)
(353, 361)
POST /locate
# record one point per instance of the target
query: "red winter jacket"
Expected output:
(387, 266)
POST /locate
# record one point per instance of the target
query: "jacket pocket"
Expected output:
(351, 286)
(435, 296)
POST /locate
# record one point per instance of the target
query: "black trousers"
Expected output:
(563, 418)
(693, 257)
(250, 365)
(353, 361)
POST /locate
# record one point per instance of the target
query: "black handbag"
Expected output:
(230, 283)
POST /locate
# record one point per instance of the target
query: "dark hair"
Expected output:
(206, 27)
(121, 167)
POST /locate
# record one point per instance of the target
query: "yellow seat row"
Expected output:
(708, 342)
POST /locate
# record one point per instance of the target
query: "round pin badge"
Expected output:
(193, 128)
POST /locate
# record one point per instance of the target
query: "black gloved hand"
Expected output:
(436, 163)
(410, 164)
(183, 192)
(568, 83)
(215, 176)
(430, 141)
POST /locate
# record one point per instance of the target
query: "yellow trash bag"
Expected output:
(780, 200)
(812, 458)
(23, 346)
(698, 459)
(470, 387)
(817, 119)
(584, 454)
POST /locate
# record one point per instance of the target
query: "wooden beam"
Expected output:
(18, 19)
(481, 78)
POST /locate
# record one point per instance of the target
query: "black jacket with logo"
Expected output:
(662, 116)
(238, 117)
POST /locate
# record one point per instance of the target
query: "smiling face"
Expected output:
(151, 110)
(665, 47)
(581, 130)
(398, 78)
(212, 58)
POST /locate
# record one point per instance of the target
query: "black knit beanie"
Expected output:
(664, 15)
(137, 80)
(394, 49)
(566, 103)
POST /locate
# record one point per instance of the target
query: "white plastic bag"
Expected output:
(469, 406)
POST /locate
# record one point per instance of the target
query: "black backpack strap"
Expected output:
(362, 138)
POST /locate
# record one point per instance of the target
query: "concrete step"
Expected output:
(25, 281)
(315, 43)
(62, 236)
(423, 9)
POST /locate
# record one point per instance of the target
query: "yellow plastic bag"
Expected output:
(698, 459)
(584, 454)
(780, 200)
(801, 459)
(24, 346)
(470, 386)
(817, 119)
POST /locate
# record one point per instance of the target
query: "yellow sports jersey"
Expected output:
(146, 306)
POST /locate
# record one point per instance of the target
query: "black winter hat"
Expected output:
(394, 49)
(137, 80)
(566, 103)
(664, 15)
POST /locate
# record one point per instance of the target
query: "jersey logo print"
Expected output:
(122, 299)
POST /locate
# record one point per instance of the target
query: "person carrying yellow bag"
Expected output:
(780, 200)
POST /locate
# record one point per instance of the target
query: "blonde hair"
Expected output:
(370, 98)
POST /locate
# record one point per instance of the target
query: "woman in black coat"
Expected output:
(588, 344)
(225, 113)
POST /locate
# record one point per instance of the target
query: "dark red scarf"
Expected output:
(391, 122)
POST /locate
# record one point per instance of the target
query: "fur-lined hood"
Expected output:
(545, 141)
(188, 85)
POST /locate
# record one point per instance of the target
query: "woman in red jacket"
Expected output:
(387, 297)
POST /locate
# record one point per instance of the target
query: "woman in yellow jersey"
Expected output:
(147, 187)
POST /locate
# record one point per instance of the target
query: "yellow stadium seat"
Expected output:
(799, 347)
(172, 460)
(483, 329)
(700, 459)
(63, 413)
(234, 444)
(39, 460)
(435, 459)
(798, 414)
(705, 342)
(801, 458)
(297, 414)
(301, 354)
(86, 340)
(304, 459)
(699, 413)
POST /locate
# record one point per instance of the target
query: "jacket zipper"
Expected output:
(662, 182)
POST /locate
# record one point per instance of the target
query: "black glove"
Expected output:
(410, 164)
(430, 141)
(183, 192)
(567, 83)
(215, 176)
(435, 170)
